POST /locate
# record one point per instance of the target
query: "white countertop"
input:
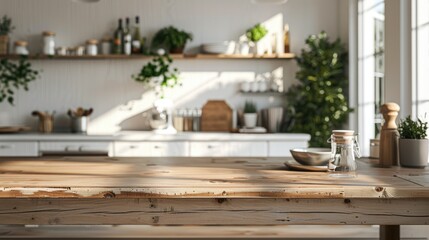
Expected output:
(151, 136)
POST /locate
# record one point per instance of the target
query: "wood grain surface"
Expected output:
(203, 191)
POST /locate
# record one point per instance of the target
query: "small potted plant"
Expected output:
(413, 144)
(255, 35)
(171, 40)
(157, 74)
(250, 114)
(5, 29)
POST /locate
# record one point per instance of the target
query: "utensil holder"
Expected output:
(79, 124)
(46, 124)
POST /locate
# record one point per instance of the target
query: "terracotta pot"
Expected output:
(413, 152)
(4, 44)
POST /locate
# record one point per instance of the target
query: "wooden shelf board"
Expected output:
(137, 57)
(267, 93)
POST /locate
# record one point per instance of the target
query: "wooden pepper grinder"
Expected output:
(389, 136)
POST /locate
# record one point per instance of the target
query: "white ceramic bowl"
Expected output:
(311, 156)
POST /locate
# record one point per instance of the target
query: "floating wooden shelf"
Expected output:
(267, 93)
(137, 57)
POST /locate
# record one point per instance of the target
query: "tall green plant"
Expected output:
(14, 76)
(319, 101)
(6, 26)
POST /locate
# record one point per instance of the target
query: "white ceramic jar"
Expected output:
(245, 86)
(91, 47)
(48, 43)
(21, 48)
(262, 86)
(254, 87)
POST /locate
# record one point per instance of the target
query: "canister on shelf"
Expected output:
(188, 121)
(374, 148)
(106, 46)
(178, 120)
(196, 122)
(91, 47)
(21, 48)
(48, 43)
(61, 51)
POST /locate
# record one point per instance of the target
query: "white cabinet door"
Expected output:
(282, 148)
(229, 149)
(76, 147)
(18, 149)
(210, 149)
(248, 149)
(151, 149)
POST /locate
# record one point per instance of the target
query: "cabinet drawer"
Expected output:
(282, 148)
(209, 149)
(151, 149)
(75, 147)
(248, 149)
(18, 149)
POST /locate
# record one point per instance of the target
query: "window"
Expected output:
(371, 68)
(420, 46)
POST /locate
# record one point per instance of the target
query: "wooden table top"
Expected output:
(105, 177)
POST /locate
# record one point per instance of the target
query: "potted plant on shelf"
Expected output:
(14, 76)
(250, 115)
(157, 74)
(5, 29)
(413, 144)
(171, 39)
(255, 35)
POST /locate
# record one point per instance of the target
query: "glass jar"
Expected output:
(91, 47)
(344, 148)
(48, 43)
(106, 46)
(21, 48)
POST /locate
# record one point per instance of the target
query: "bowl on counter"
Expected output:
(311, 156)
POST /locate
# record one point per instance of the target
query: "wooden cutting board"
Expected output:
(13, 129)
(216, 117)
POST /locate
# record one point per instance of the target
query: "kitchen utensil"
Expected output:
(293, 165)
(216, 116)
(79, 124)
(13, 129)
(272, 119)
(311, 156)
(46, 121)
(389, 137)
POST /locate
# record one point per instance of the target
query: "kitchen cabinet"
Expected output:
(230, 149)
(76, 147)
(18, 149)
(151, 149)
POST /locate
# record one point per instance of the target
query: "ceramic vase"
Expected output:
(250, 120)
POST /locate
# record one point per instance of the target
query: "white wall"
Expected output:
(106, 85)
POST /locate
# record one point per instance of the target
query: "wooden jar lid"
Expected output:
(48, 33)
(21, 43)
(92, 41)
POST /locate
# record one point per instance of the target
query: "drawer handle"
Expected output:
(133, 146)
(5, 146)
(157, 147)
(211, 146)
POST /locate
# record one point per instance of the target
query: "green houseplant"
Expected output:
(319, 102)
(171, 39)
(255, 35)
(250, 114)
(5, 29)
(158, 73)
(14, 76)
(413, 144)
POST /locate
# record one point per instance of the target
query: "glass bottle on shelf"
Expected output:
(126, 38)
(136, 43)
(117, 38)
(286, 38)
